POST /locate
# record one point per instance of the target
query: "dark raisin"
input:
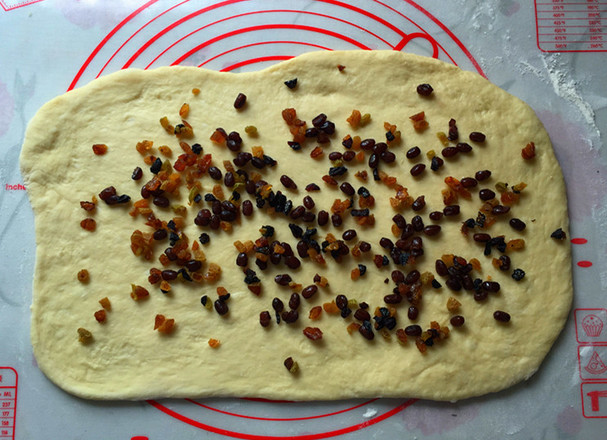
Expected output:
(240, 100)
(387, 156)
(500, 209)
(482, 175)
(215, 173)
(559, 234)
(283, 279)
(347, 189)
(501, 316)
(412, 153)
(292, 83)
(312, 187)
(436, 163)
(137, 174)
(413, 330)
(449, 151)
(412, 313)
(441, 268)
(463, 147)
(294, 301)
(468, 182)
(436, 215)
(265, 318)
(517, 224)
(221, 307)
(481, 237)
(419, 203)
(322, 218)
(418, 169)
(486, 194)
(288, 182)
(348, 235)
(349, 155)
(477, 136)
(432, 230)
(518, 274)
(451, 210)
(457, 320)
(424, 89)
(308, 292)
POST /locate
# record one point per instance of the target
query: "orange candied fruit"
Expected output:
(88, 224)
(214, 343)
(528, 152)
(105, 303)
(516, 244)
(99, 149)
(219, 136)
(317, 152)
(195, 91)
(139, 292)
(257, 151)
(353, 327)
(88, 206)
(164, 325)
(331, 308)
(213, 272)
(476, 265)
(100, 316)
(355, 274)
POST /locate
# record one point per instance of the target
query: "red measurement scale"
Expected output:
(8, 402)
(571, 25)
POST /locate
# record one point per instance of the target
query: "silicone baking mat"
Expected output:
(48, 47)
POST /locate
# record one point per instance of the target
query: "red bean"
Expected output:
(417, 169)
(501, 316)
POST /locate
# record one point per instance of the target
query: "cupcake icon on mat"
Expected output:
(592, 325)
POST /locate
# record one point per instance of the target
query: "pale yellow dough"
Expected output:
(129, 360)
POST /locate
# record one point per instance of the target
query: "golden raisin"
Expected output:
(105, 303)
(313, 333)
(184, 111)
(453, 304)
(83, 276)
(99, 149)
(84, 336)
(315, 313)
(88, 224)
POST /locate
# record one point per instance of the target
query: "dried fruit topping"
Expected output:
(83, 276)
(528, 152)
(84, 336)
(313, 333)
(164, 325)
(99, 149)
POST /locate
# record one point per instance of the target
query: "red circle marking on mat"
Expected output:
(264, 12)
(262, 43)
(579, 241)
(282, 419)
(257, 60)
(135, 33)
(112, 33)
(268, 27)
(584, 263)
(444, 28)
(320, 435)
